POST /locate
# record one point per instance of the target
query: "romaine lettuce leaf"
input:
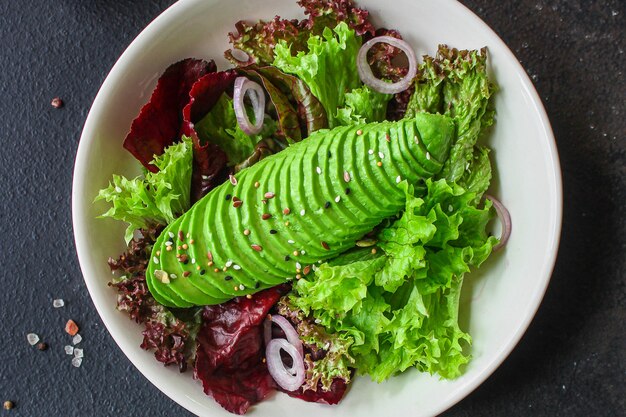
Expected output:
(157, 198)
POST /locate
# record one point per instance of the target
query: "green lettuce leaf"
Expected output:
(455, 83)
(220, 128)
(156, 198)
(363, 105)
(328, 68)
(399, 307)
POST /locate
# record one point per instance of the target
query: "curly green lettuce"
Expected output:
(398, 308)
(328, 67)
(455, 83)
(156, 198)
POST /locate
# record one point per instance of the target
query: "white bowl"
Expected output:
(499, 301)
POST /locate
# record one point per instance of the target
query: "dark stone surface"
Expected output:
(571, 362)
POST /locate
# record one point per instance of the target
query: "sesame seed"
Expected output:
(169, 243)
(188, 234)
(327, 204)
(346, 176)
(173, 276)
(273, 232)
(168, 248)
(264, 201)
(158, 253)
(398, 179)
(246, 232)
(302, 252)
(256, 184)
(381, 155)
(237, 204)
(228, 264)
(379, 163)
(232, 179)
(216, 270)
(257, 248)
(348, 190)
(236, 288)
(171, 234)
(371, 152)
(416, 139)
(209, 255)
(185, 246)
(242, 287)
(198, 267)
(428, 155)
(210, 263)
(291, 242)
(287, 257)
(266, 216)
(228, 278)
(225, 269)
(298, 265)
(287, 223)
(325, 245)
(191, 242)
(179, 247)
(450, 208)
(155, 260)
(387, 137)
(228, 196)
(236, 267)
(318, 170)
(295, 253)
(118, 189)
(193, 260)
(186, 274)
(302, 212)
(286, 211)
(269, 195)
(183, 258)
(337, 199)
(359, 132)
(373, 251)
(181, 235)
(249, 297)
(298, 276)
(202, 271)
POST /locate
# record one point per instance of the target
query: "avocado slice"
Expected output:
(327, 211)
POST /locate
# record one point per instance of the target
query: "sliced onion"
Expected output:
(505, 219)
(289, 379)
(257, 98)
(290, 332)
(367, 76)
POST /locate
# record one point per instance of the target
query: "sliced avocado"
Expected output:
(217, 226)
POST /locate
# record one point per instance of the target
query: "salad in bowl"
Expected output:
(310, 213)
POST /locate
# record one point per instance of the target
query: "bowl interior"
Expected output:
(498, 301)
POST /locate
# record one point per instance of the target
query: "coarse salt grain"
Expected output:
(371, 152)
(302, 212)
(58, 303)
(155, 260)
(32, 338)
(242, 287)
(193, 260)
(69, 350)
(78, 353)
(298, 265)
(318, 170)
(337, 199)
(76, 362)
(77, 339)
(171, 234)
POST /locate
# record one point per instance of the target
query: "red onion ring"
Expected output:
(505, 219)
(289, 379)
(257, 97)
(290, 332)
(367, 76)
